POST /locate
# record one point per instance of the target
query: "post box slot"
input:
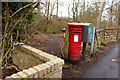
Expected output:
(76, 32)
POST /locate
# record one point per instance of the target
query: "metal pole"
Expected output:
(92, 43)
(84, 50)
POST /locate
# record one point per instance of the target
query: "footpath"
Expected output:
(107, 67)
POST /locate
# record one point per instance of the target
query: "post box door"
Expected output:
(87, 33)
(74, 46)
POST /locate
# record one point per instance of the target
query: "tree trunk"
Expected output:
(118, 37)
(47, 17)
(100, 15)
(111, 15)
(73, 10)
(119, 14)
(69, 11)
(57, 9)
(48, 7)
(52, 8)
(76, 11)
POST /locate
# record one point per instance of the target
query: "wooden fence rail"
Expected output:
(105, 35)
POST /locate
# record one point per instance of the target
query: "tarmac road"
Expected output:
(107, 67)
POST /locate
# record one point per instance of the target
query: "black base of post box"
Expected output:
(73, 61)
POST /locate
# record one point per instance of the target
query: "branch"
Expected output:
(12, 66)
(22, 17)
(21, 9)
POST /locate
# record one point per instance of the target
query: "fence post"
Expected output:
(97, 44)
(117, 36)
(104, 35)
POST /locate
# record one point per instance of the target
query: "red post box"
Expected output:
(75, 37)
(64, 31)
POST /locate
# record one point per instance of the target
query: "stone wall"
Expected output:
(24, 59)
(50, 66)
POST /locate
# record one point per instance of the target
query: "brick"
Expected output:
(30, 74)
(24, 49)
(57, 75)
(35, 72)
(22, 74)
(40, 71)
(47, 67)
(54, 57)
(51, 65)
(49, 74)
(27, 47)
(9, 78)
(54, 74)
(55, 63)
(36, 50)
(31, 50)
(43, 68)
(60, 61)
(50, 56)
(16, 76)
(47, 78)
(59, 68)
(45, 58)
(40, 55)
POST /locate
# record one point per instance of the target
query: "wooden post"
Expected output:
(96, 37)
(92, 43)
(104, 35)
(118, 20)
(84, 50)
(66, 44)
(118, 33)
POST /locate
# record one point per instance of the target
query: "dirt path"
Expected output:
(55, 44)
(107, 67)
(52, 43)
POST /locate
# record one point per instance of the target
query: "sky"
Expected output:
(63, 5)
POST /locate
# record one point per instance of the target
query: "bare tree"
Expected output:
(96, 11)
(47, 15)
(119, 14)
(100, 14)
(48, 9)
(73, 10)
(61, 14)
(57, 9)
(82, 11)
(111, 14)
(116, 14)
(52, 8)
(76, 11)
(69, 10)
